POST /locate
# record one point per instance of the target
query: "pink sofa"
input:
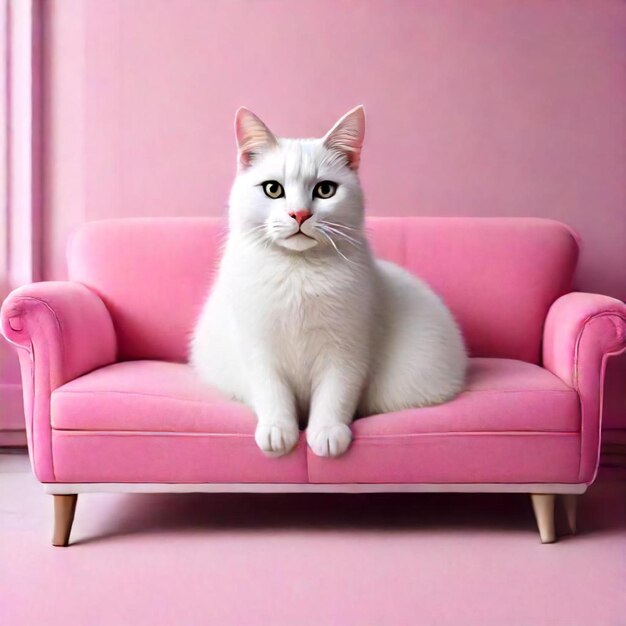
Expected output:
(111, 404)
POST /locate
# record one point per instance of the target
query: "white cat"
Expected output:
(302, 322)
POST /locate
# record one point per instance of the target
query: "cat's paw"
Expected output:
(331, 440)
(276, 439)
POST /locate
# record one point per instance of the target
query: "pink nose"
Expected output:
(301, 215)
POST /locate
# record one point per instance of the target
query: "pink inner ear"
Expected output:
(245, 158)
(347, 136)
(252, 136)
(351, 151)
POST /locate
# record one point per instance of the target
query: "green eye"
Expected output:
(324, 190)
(273, 189)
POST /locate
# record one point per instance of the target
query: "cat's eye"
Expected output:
(273, 189)
(324, 190)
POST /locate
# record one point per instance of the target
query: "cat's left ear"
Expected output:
(347, 135)
(253, 136)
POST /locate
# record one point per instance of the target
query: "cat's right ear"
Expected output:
(253, 136)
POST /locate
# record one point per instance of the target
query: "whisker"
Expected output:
(355, 242)
(344, 226)
(351, 240)
(332, 243)
(257, 227)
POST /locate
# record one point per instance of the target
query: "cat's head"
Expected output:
(298, 193)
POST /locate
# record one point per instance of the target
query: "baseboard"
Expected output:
(12, 438)
(613, 451)
(12, 432)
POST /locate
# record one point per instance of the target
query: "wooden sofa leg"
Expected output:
(570, 501)
(543, 505)
(64, 508)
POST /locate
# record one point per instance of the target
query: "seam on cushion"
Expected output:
(500, 391)
(59, 327)
(32, 407)
(220, 404)
(587, 321)
(31, 352)
(373, 436)
(472, 433)
(61, 391)
(352, 482)
(141, 433)
(60, 330)
(582, 433)
(568, 390)
(33, 437)
(56, 318)
(409, 441)
(151, 433)
(605, 358)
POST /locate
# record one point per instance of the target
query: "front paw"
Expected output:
(276, 439)
(331, 440)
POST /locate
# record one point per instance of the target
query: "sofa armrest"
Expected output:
(582, 330)
(62, 330)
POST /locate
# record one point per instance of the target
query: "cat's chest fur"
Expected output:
(295, 294)
(303, 313)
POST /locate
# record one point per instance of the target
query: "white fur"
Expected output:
(313, 328)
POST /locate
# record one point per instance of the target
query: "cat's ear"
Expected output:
(253, 136)
(347, 135)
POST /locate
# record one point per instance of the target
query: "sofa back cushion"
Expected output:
(498, 275)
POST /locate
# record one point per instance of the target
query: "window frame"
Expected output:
(20, 137)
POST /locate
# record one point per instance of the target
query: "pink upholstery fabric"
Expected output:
(581, 331)
(481, 457)
(91, 417)
(155, 396)
(183, 431)
(516, 422)
(131, 457)
(148, 396)
(63, 330)
(152, 421)
(571, 316)
(499, 276)
(155, 282)
(501, 395)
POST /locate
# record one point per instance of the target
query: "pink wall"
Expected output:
(474, 108)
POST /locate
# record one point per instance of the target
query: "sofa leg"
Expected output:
(570, 501)
(543, 505)
(64, 508)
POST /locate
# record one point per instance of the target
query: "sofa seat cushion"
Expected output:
(153, 421)
(500, 395)
(515, 423)
(155, 396)
(147, 396)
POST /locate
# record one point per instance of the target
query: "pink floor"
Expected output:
(383, 560)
